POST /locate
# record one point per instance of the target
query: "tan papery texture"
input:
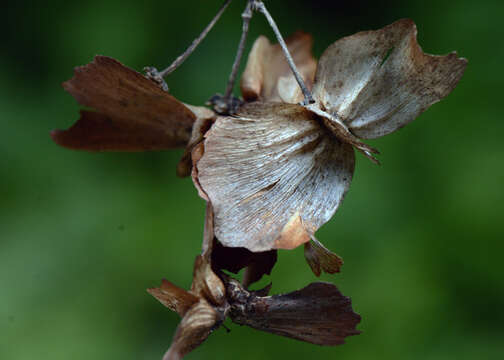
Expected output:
(376, 82)
(273, 174)
(267, 76)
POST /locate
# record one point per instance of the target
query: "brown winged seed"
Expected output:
(276, 172)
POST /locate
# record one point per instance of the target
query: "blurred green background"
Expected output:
(83, 235)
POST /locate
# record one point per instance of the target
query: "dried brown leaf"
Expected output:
(267, 75)
(318, 314)
(132, 113)
(375, 82)
(270, 170)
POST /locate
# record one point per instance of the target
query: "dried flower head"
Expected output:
(273, 171)
(276, 171)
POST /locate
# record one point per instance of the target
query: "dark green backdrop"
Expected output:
(82, 235)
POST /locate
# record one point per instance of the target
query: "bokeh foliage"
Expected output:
(82, 235)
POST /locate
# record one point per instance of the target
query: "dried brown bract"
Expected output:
(318, 313)
(202, 308)
(130, 113)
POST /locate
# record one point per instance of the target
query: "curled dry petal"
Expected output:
(196, 155)
(201, 308)
(318, 314)
(204, 120)
(221, 257)
(174, 298)
(273, 174)
(207, 247)
(263, 264)
(234, 259)
(132, 113)
(205, 283)
(267, 75)
(195, 327)
(320, 258)
(376, 82)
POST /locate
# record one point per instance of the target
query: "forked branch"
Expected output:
(157, 76)
(226, 104)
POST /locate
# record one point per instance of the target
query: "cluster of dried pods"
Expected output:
(272, 171)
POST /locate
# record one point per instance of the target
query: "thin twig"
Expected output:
(178, 61)
(308, 99)
(157, 76)
(247, 16)
(228, 104)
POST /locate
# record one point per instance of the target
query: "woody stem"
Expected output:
(179, 60)
(308, 98)
(157, 76)
(247, 16)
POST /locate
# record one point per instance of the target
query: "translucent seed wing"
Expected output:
(274, 175)
(376, 82)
